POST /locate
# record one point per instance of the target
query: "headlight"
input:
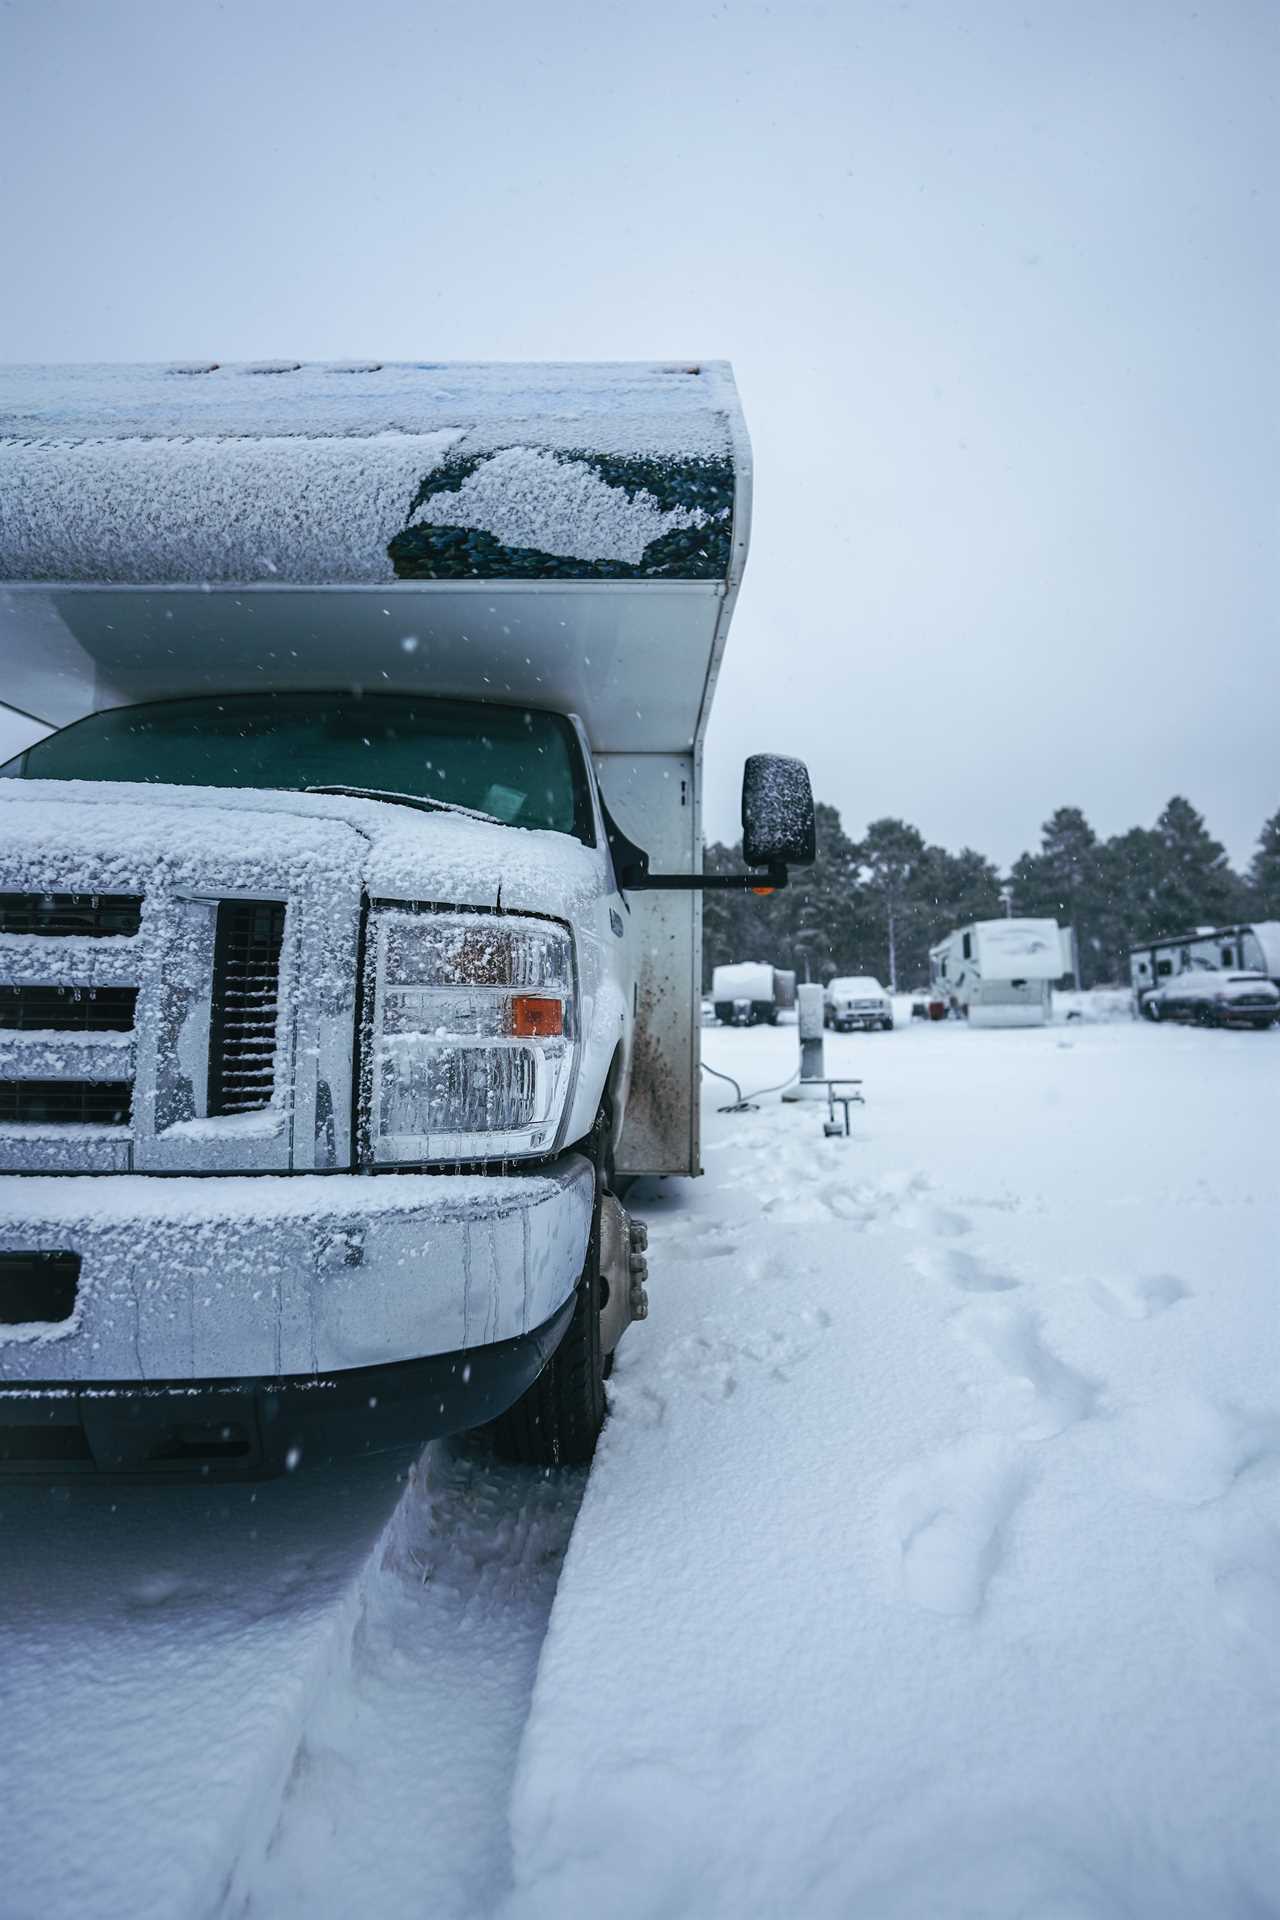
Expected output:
(470, 1035)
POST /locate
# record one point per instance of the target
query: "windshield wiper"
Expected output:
(418, 800)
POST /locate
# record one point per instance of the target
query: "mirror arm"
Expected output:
(637, 879)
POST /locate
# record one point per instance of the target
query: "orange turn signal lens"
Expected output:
(536, 1018)
(763, 890)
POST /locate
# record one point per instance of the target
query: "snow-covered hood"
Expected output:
(123, 837)
(848, 991)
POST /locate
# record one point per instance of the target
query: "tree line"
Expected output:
(876, 905)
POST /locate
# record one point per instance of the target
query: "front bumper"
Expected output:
(228, 1279)
(228, 1428)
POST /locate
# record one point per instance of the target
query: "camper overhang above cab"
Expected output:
(568, 537)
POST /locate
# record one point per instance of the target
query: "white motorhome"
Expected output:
(349, 916)
(1000, 973)
(1243, 948)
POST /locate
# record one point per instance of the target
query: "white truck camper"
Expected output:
(1252, 948)
(349, 917)
(1000, 973)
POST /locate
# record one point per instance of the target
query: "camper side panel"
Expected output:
(654, 799)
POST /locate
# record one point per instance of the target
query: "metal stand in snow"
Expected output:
(852, 1098)
(814, 1082)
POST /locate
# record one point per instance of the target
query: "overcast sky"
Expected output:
(999, 282)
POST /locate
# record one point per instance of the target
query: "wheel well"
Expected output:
(610, 1097)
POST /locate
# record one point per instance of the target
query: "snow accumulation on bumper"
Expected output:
(202, 1280)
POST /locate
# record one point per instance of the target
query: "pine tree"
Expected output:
(891, 856)
(1264, 873)
(1064, 882)
(1196, 884)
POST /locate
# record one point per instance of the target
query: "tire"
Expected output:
(557, 1421)
(886, 1026)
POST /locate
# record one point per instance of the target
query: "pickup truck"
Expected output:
(349, 905)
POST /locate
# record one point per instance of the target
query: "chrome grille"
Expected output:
(65, 1103)
(95, 915)
(43, 1009)
(246, 1005)
(154, 1019)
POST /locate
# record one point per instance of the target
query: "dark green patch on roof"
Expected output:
(433, 551)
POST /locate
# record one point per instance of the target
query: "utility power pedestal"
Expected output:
(812, 1084)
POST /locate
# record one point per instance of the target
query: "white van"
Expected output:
(349, 919)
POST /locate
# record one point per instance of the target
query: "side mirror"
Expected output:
(777, 832)
(777, 812)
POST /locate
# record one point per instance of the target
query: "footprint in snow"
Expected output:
(1193, 1450)
(948, 1515)
(705, 1240)
(716, 1364)
(1140, 1296)
(1045, 1394)
(961, 1269)
(1250, 1600)
(948, 1224)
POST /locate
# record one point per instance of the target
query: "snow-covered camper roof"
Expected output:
(529, 532)
(1014, 949)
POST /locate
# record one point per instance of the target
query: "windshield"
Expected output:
(519, 764)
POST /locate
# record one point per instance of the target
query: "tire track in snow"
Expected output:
(398, 1796)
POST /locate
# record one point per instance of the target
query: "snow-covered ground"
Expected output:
(930, 1563)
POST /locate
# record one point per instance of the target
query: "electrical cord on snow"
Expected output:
(747, 1104)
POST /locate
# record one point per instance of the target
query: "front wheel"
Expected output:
(886, 1026)
(556, 1422)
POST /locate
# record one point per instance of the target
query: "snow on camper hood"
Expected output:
(119, 837)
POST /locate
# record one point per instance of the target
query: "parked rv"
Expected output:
(363, 855)
(749, 993)
(857, 1000)
(1000, 973)
(1251, 948)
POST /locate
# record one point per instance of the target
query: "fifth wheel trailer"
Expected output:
(349, 916)
(1000, 973)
